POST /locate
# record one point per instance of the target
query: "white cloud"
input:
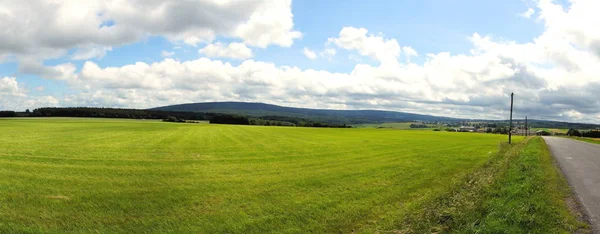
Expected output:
(165, 53)
(374, 46)
(270, 23)
(234, 50)
(10, 87)
(14, 97)
(527, 14)
(409, 52)
(309, 53)
(90, 52)
(328, 53)
(573, 114)
(577, 25)
(20, 103)
(65, 71)
(47, 28)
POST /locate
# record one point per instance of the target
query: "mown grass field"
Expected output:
(124, 176)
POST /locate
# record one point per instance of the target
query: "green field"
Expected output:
(124, 176)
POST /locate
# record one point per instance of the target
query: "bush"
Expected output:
(229, 119)
(574, 132)
(174, 119)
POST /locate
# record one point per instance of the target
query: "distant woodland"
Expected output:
(168, 116)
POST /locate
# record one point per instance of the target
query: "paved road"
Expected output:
(580, 161)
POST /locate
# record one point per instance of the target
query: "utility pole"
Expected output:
(526, 128)
(510, 123)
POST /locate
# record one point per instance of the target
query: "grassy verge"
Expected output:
(586, 139)
(518, 191)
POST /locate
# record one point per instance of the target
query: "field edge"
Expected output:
(520, 189)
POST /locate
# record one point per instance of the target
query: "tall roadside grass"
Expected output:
(520, 190)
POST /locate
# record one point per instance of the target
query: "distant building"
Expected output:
(467, 129)
(522, 132)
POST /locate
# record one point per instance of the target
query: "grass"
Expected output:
(586, 139)
(113, 176)
(530, 196)
(520, 190)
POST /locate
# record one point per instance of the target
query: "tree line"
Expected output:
(8, 114)
(418, 125)
(272, 120)
(93, 112)
(168, 116)
(577, 133)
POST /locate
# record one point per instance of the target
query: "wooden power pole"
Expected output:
(510, 123)
(526, 128)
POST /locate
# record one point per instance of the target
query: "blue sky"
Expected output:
(462, 48)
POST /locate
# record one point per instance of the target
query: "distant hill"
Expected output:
(322, 115)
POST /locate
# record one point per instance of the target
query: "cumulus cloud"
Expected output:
(65, 71)
(328, 53)
(165, 53)
(14, 97)
(90, 52)
(10, 87)
(20, 103)
(234, 50)
(409, 52)
(309, 53)
(527, 14)
(576, 25)
(270, 23)
(49, 27)
(374, 46)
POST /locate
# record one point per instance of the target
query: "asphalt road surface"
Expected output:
(580, 161)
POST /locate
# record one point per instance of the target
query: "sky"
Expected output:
(456, 58)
